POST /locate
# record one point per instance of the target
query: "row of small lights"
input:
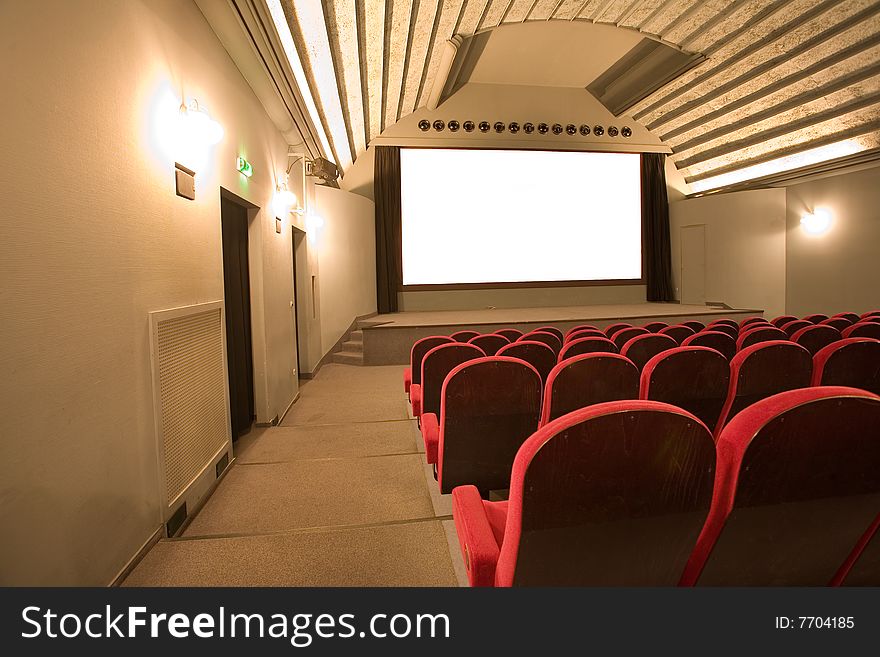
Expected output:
(528, 128)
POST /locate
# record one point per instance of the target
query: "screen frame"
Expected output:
(500, 285)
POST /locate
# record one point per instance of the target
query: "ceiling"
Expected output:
(784, 83)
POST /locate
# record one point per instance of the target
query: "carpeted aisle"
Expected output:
(338, 495)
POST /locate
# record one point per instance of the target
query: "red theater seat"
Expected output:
(588, 379)
(614, 328)
(584, 333)
(853, 362)
(759, 334)
(548, 339)
(727, 329)
(728, 322)
(720, 342)
(511, 334)
(870, 313)
(624, 335)
(643, 348)
(536, 354)
(816, 318)
(852, 317)
(489, 407)
(782, 320)
(580, 327)
(587, 346)
(694, 324)
(752, 320)
(436, 365)
(794, 326)
(693, 378)
(815, 337)
(655, 327)
(762, 370)
(552, 329)
(464, 336)
(629, 518)
(413, 374)
(863, 330)
(490, 342)
(797, 485)
(840, 323)
(678, 333)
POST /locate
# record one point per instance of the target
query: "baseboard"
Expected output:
(207, 496)
(138, 556)
(289, 406)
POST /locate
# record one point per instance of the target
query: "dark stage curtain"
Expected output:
(389, 269)
(655, 217)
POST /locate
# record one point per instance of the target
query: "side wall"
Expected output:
(93, 239)
(840, 270)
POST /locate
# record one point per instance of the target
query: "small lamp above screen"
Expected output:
(817, 222)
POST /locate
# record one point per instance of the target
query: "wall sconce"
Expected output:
(197, 125)
(284, 198)
(816, 222)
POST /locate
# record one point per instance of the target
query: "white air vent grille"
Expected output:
(190, 385)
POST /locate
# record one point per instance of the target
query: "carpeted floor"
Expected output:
(338, 495)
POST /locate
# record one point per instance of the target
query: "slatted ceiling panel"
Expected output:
(640, 13)
(191, 395)
(612, 11)
(703, 14)
(396, 40)
(450, 11)
(471, 15)
(373, 48)
(494, 14)
(543, 10)
(569, 9)
(671, 16)
(416, 59)
(341, 20)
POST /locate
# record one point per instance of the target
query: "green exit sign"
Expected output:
(244, 167)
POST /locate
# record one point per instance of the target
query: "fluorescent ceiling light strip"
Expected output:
(299, 73)
(786, 163)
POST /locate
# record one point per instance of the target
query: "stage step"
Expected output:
(349, 357)
(356, 336)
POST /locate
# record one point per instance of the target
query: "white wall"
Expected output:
(346, 248)
(745, 247)
(93, 239)
(838, 271)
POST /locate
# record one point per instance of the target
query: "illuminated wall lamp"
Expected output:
(197, 125)
(817, 222)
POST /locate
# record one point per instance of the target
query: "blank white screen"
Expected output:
(493, 216)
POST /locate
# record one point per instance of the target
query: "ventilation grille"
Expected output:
(191, 392)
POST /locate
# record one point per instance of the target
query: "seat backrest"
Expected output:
(863, 330)
(815, 318)
(511, 334)
(655, 327)
(643, 348)
(720, 342)
(489, 407)
(759, 334)
(794, 326)
(694, 324)
(537, 354)
(852, 362)
(548, 339)
(839, 323)
(489, 342)
(624, 335)
(552, 329)
(797, 485)
(437, 365)
(611, 329)
(693, 378)
(782, 320)
(588, 379)
(579, 327)
(729, 322)
(727, 329)
(815, 337)
(589, 345)
(464, 336)
(678, 332)
(762, 370)
(584, 333)
(418, 351)
(751, 320)
(629, 518)
(870, 313)
(852, 317)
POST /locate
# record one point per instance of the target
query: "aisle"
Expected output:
(336, 496)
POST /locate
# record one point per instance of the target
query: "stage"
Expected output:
(388, 338)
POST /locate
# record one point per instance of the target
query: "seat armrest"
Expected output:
(479, 549)
(431, 435)
(407, 379)
(415, 396)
